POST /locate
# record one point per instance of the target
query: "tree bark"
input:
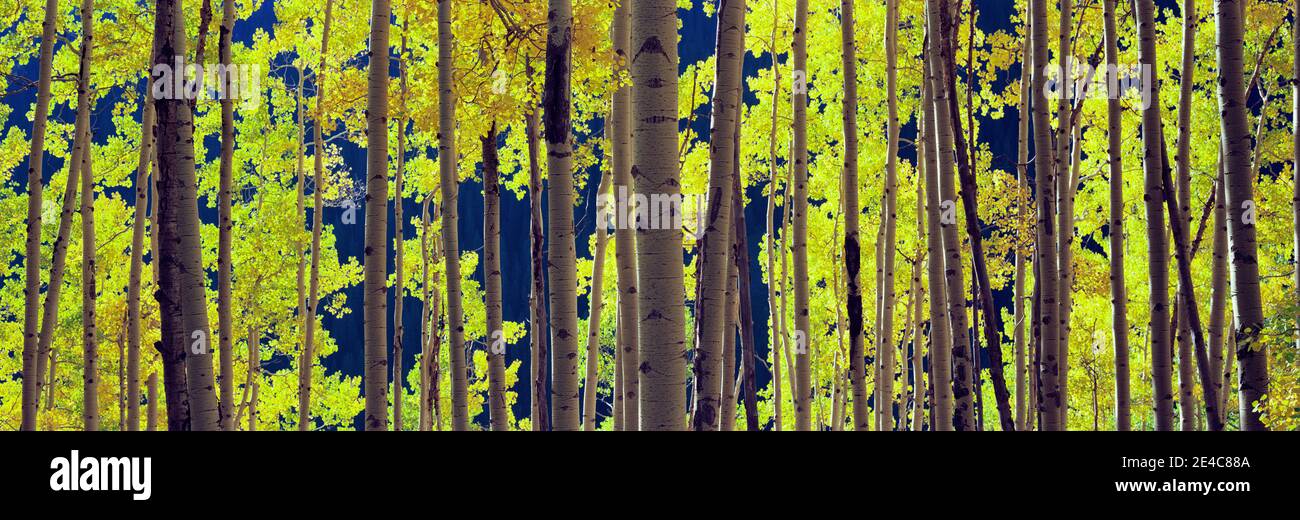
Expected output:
(151, 408)
(307, 362)
(1219, 291)
(745, 312)
(715, 245)
(225, 296)
(89, 331)
(803, 360)
(620, 127)
(561, 253)
(492, 283)
(940, 335)
(1064, 162)
(1045, 182)
(447, 166)
(659, 251)
(852, 214)
(1183, 183)
(591, 379)
(376, 257)
(32, 350)
(399, 222)
(537, 308)
(1022, 176)
(1118, 290)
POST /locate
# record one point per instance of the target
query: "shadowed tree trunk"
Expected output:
(32, 351)
(399, 221)
(1022, 175)
(591, 379)
(940, 335)
(659, 251)
(1118, 291)
(620, 128)
(1219, 291)
(225, 296)
(1183, 182)
(852, 216)
(181, 298)
(1253, 364)
(492, 283)
(537, 307)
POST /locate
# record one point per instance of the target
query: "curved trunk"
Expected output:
(940, 335)
(620, 127)
(560, 250)
(492, 283)
(1118, 291)
(376, 253)
(715, 245)
(447, 166)
(1157, 240)
(306, 363)
(1045, 182)
(225, 296)
(659, 251)
(32, 380)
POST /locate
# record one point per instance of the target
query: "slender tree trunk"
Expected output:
(137, 259)
(655, 168)
(1219, 291)
(803, 361)
(492, 283)
(561, 253)
(1187, 397)
(745, 316)
(890, 210)
(1064, 162)
(727, 422)
(620, 128)
(1295, 151)
(1022, 175)
(537, 308)
(960, 345)
(427, 329)
(89, 329)
(151, 408)
(852, 214)
(1045, 181)
(450, 219)
(715, 245)
(33, 353)
(306, 364)
(940, 335)
(225, 296)
(376, 257)
(1118, 291)
(399, 221)
(1157, 240)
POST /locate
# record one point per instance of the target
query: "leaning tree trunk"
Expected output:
(659, 251)
(1045, 182)
(447, 166)
(1022, 176)
(560, 250)
(591, 379)
(135, 271)
(376, 257)
(940, 335)
(181, 299)
(852, 215)
(715, 245)
(307, 362)
(803, 396)
(32, 381)
(962, 394)
(1253, 364)
(745, 316)
(492, 283)
(1118, 291)
(89, 332)
(1157, 241)
(225, 296)
(620, 128)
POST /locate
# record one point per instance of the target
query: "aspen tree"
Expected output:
(492, 282)
(715, 245)
(1295, 149)
(89, 331)
(803, 361)
(1044, 179)
(537, 308)
(151, 408)
(889, 248)
(1157, 241)
(1118, 291)
(399, 221)
(620, 128)
(940, 335)
(744, 313)
(181, 294)
(591, 378)
(1022, 177)
(659, 251)
(307, 360)
(376, 260)
(1219, 290)
(426, 328)
(560, 251)
(1183, 183)
(852, 214)
(225, 296)
(32, 352)
(447, 165)
(1064, 162)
